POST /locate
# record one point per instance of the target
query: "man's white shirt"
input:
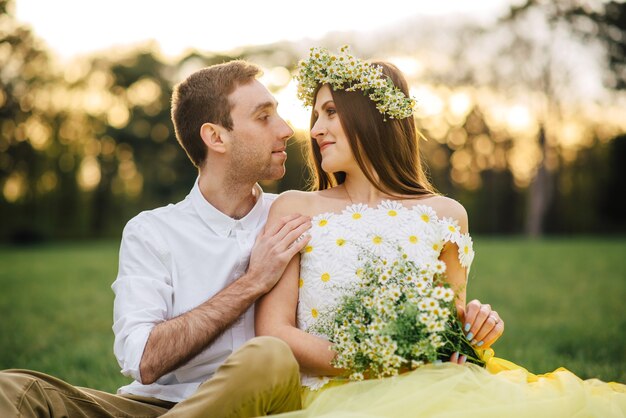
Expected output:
(173, 259)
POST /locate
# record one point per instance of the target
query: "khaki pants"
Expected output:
(260, 378)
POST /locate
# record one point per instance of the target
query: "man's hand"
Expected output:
(276, 246)
(174, 342)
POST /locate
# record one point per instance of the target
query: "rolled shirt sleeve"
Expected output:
(143, 292)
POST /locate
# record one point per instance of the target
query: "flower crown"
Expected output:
(344, 71)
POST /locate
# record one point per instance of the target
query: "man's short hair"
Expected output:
(202, 98)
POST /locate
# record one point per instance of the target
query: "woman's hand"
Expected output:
(482, 325)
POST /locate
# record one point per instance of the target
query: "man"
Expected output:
(190, 273)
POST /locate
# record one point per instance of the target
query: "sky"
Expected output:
(79, 27)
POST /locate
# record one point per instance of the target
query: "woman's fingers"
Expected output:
(458, 358)
(492, 336)
(469, 315)
(482, 325)
(488, 325)
(475, 316)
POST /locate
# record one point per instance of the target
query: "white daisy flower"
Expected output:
(357, 376)
(368, 302)
(394, 292)
(439, 292)
(430, 304)
(309, 247)
(310, 254)
(322, 220)
(439, 267)
(308, 312)
(423, 318)
(435, 326)
(450, 229)
(435, 340)
(391, 208)
(377, 241)
(326, 273)
(356, 212)
(306, 273)
(466, 250)
(412, 239)
(434, 245)
(448, 295)
(438, 312)
(340, 243)
(374, 328)
(422, 305)
(425, 214)
(314, 297)
(422, 289)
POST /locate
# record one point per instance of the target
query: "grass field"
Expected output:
(562, 300)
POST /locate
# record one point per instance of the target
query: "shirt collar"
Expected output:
(221, 223)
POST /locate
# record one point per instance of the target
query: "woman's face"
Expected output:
(330, 136)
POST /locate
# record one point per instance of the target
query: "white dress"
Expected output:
(501, 389)
(331, 259)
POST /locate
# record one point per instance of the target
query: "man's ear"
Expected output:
(212, 135)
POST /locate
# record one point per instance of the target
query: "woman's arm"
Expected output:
(482, 325)
(276, 311)
(456, 274)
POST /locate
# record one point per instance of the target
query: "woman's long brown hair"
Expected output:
(386, 151)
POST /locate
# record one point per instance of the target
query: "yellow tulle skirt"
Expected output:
(502, 390)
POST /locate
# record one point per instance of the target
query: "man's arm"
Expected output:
(174, 342)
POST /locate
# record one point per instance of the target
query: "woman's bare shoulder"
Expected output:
(446, 207)
(295, 201)
(309, 203)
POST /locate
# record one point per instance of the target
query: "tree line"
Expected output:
(86, 145)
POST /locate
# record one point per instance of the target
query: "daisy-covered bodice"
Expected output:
(331, 259)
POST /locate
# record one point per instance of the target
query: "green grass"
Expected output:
(56, 310)
(562, 300)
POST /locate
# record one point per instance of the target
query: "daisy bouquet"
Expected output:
(398, 316)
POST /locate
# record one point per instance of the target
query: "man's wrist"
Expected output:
(253, 281)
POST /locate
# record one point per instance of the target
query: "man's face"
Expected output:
(259, 136)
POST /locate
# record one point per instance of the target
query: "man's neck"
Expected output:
(234, 200)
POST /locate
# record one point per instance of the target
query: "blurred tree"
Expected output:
(612, 31)
(602, 21)
(27, 173)
(510, 109)
(145, 166)
(612, 203)
(549, 57)
(297, 175)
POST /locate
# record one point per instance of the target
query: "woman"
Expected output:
(370, 190)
